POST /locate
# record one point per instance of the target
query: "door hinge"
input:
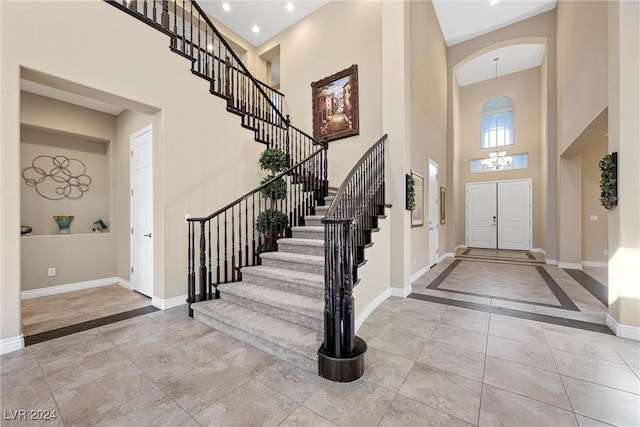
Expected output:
(132, 231)
(132, 192)
(132, 269)
(131, 153)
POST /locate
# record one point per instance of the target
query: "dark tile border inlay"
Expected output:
(467, 252)
(594, 287)
(530, 255)
(79, 327)
(578, 324)
(565, 302)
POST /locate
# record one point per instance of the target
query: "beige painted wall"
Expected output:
(76, 257)
(428, 98)
(524, 89)
(309, 51)
(595, 233)
(582, 66)
(538, 29)
(37, 211)
(624, 137)
(194, 147)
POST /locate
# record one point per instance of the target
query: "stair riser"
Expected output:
(290, 316)
(322, 210)
(288, 355)
(297, 266)
(313, 222)
(281, 285)
(301, 249)
(305, 234)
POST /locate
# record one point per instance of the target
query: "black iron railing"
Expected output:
(212, 58)
(348, 224)
(233, 237)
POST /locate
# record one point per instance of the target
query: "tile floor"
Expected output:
(56, 311)
(514, 286)
(427, 364)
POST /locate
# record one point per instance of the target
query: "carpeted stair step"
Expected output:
(301, 246)
(297, 282)
(313, 221)
(322, 210)
(290, 261)
(315, 233)
(292, 343)
(298, 309)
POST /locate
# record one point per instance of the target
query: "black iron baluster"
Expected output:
(246, 232)
(253, 227)
(164, 15)
(145, 9)
(209, 269)
(226, 265)
(203, 268)
(217, 252)
(233, 246)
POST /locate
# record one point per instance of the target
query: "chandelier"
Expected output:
(497, 159)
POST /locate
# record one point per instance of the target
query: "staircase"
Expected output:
(295, 303)
(278, 306)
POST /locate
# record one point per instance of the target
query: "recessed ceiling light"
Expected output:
(290, 7)
(227, 7)
(494, 2)
(255, 29)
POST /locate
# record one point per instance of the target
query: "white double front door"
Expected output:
(499, 214)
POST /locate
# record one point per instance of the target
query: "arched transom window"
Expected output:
(497, 122)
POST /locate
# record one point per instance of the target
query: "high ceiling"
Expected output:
(270, 17)
(465, 19)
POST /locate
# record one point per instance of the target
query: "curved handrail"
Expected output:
(255, 81)
(239, 199)
(336, 200)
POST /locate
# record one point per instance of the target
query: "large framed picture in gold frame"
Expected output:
(335, 105)
(417, 214)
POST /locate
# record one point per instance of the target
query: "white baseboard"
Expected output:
(623, 331)
(598, 264)
(571, 265)
(401, 292)
(366, 312)
(447, 255)
(460, 247)
(53, 290)
(165, 304)
(542, 251)
(418, 274)
(125, 283)
(551, 261)
(11, 344)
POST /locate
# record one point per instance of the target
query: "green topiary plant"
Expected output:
(608, 181)
(272, 223)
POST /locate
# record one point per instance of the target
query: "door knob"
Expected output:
(147, 235)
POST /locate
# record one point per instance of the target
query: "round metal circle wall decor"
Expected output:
(57, 177)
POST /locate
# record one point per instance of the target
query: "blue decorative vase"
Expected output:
(64, 222)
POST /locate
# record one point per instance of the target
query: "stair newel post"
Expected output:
(348, 319)
(164, 15)
(191, 277)
(226, 264)
(253, 229)
(204, 294)
(217, 252)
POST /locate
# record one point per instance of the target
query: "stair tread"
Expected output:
(293, 257)
(307, 228)
(318, 217)
(280, 299)
(301, 242)
(285, 275)
(288, 335)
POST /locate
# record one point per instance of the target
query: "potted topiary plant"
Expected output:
(272, 223)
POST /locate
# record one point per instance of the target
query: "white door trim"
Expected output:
(433, 213)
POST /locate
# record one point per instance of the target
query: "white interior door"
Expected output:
(142, 211)
(514, 215)
(434, 213)
(481, 215)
